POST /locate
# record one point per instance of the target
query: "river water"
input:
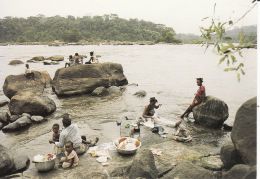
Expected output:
(167, 72)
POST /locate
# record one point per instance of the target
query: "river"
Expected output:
(167, 72)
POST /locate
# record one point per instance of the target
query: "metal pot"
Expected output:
(45, 166)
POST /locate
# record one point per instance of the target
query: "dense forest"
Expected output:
(73, 29)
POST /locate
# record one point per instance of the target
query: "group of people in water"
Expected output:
(78, 60)
(74, 144)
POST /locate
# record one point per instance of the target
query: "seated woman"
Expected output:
(199, 98)
(149, 113)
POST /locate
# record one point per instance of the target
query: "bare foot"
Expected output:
(178, 123)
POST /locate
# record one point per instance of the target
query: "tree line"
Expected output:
(108, 27)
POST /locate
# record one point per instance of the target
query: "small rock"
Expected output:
(37, 119)
(4, 117)
(241, 171)
(140, 93)
(19, 123)
(56, 58)
(4, 102)
(26, 114)
(100, 91)
(37, 58)
(13, 118)
(15, 62)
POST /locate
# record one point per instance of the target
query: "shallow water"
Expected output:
(166, 72)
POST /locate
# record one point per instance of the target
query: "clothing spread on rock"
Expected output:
(70, 133)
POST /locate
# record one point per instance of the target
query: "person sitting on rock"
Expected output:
(28, 73)
(92, 58)
(71, 62)
(71, 158)
(55, 138)
(199, 98)
(71, 133)
(76, 59)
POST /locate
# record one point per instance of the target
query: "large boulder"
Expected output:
(15, 84)
(212, 114)
(243, 134)
(143, 165)
(21, 163)
(32, 104)
(18, 124)
(186, 169)
(86, 78)
(6, 161)
(15, 62)
(46, 77)
(230, 156)
(241, 171)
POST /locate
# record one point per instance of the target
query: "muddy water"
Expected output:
(165, 71)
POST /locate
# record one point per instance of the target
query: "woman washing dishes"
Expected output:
(149, 112)
(199, 98)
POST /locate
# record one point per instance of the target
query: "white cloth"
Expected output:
(27, 70)
(70, 133)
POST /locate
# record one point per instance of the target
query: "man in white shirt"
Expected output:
(70, 133)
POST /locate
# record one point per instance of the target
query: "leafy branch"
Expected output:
(215, 34)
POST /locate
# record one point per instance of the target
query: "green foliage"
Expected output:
(223, 45)
(108, 27)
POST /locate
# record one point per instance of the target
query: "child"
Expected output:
(28, 73)
(71, 158)
(55, 138)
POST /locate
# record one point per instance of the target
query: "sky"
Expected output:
(184, 16)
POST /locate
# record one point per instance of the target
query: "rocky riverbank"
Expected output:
(203, 153)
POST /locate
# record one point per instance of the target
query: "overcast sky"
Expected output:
(183, 15)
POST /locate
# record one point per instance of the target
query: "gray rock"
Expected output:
(4, 117)
(18, 124)
(32, 104)
(211, 163)
(143, 165)
(13, 118)
(213, 114)
(46, 77)
(230, 156)
(37, 119)
(100, 91)
(140, 93)
(37, 58)
(15, 84)
(241, 171)
(6, 161)
(114, 90)
(4, 102)
(186, 169)
(243, 134)
(21, 163)
(26, 114)
(15, 62)
(86, 78)
(1, 125)
(56, 58)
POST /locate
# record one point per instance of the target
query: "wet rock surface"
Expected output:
(243, 134)
(6, 161)
(18, 124)
(86, 78)
(212, 114)
(30, 103)
(241, 171)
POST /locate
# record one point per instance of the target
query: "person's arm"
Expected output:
(156, 107)
(61, 142)
(144, 113)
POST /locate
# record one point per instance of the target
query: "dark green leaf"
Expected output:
(230, 22)
(218, 48)
(216, 30)
(238, 77)
(233, 59)
(227, 62)
(230, 69)
(240, 53)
